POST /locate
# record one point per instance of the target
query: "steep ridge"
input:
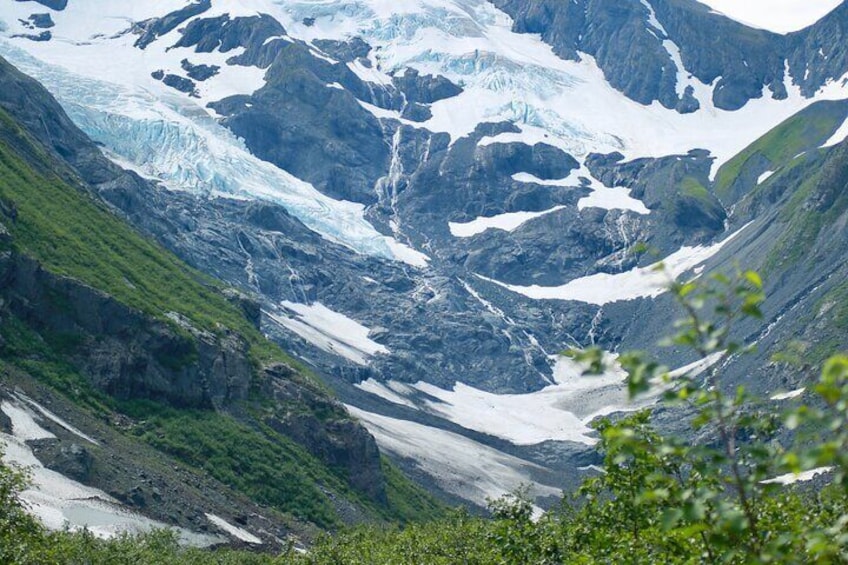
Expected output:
(432, 200)
(676, 50)
(119, 330)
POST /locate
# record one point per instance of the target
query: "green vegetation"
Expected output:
(690, 187)
(805, 131)
(266, 466)
(36, 355)
(71, 234)
(694, 205)
(659, 499)
(819, 201)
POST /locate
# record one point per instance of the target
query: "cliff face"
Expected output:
(123, 352)
(130, 356)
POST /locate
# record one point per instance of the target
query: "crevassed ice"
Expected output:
(518, 78)
(189, 151)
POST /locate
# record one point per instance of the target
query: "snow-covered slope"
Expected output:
(61, 502)
(516, 77)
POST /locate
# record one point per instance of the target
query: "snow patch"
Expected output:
(235, 531)
(789, 395)
(602, 196)
(792, 478)
(559, 412)
(764, 177)
(330, 331)
(56, 419)
(392, 391)
(506, 222)
(406, 254)
(60, 502)
(838, 137)
(460, 466)
(642, 282)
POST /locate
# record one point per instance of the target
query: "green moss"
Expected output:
(408, 501)
(267, 467)
(818, 202)
(692, 188)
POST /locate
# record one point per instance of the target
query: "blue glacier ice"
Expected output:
(171, 139)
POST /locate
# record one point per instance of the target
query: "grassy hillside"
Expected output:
(71, 234)
(802, 132)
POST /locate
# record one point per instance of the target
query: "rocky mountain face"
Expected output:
(430, 201)
(139, 328)
(645, 62)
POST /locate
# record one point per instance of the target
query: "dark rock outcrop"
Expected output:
(150, 30)
(57, 5)
(339, 442)
(40, 21)
(199, 72)
(43, 36)
(181, 84)
(67, 458)
(126, 353)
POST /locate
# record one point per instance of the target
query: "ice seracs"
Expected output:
(514, 77)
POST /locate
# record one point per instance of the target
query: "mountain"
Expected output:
(132, 381)
(431, 199)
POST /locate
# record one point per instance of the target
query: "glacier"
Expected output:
(167, 137)
(517, 78)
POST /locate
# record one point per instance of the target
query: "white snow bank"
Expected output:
(56, 419)
(59, 501)
(559, 412)
(393, 391)
(460, 466)
(642, 282)
(330, 331)
(789, 395)
(792, 478)
(838, 136)
(602, 196)
(235, 531)
(764, 177)
(508, 222)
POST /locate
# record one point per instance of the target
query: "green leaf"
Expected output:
(754, 278)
